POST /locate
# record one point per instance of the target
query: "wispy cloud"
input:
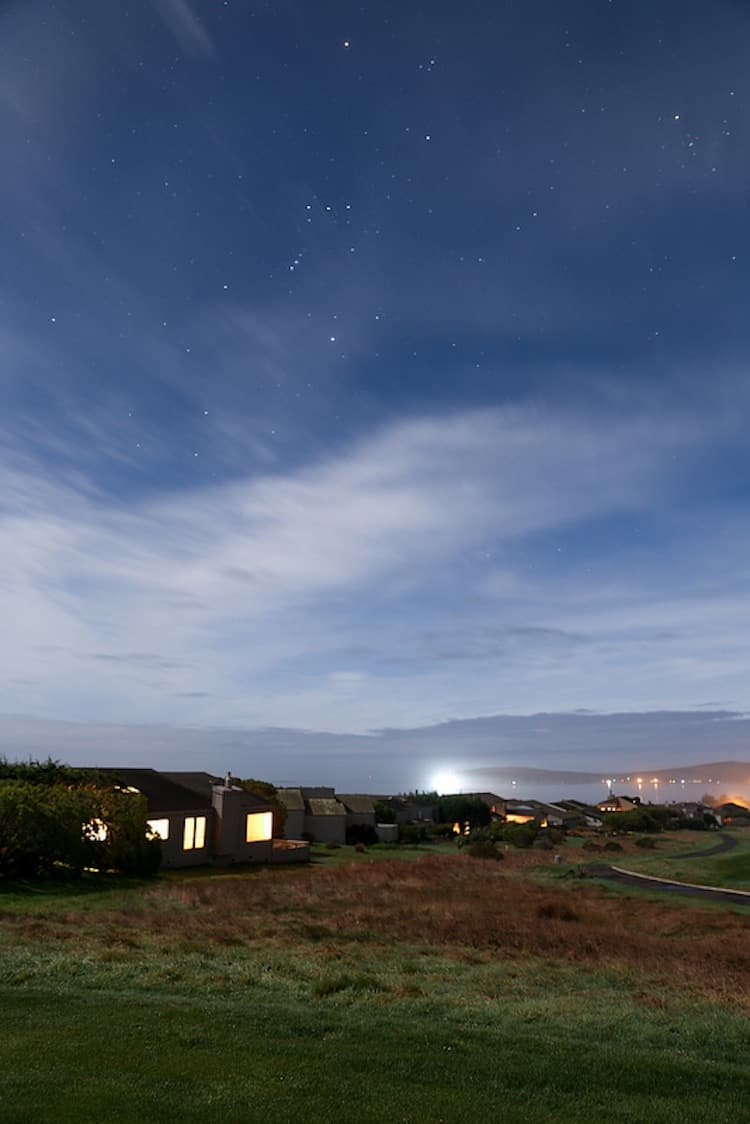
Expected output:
(243, 592)
(183, 21)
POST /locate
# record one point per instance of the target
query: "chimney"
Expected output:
(228, 780)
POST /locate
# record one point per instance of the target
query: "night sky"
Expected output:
(374, 366)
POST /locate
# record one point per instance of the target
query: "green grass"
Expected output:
(405, 1035)
(108, 1021)
(730, 869)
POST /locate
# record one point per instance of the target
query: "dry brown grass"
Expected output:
(451, 902)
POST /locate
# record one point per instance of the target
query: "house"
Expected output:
(294, 802)
(325, 819)
(360, 810)
(583, 814)
(616, 804)
(202, 819)
(732, 813)
(496, 804)
(526, 811)
(407, 810)
(314, 813)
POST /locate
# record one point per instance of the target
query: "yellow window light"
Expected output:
(258, 827)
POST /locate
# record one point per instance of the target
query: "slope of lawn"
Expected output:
(441, 989)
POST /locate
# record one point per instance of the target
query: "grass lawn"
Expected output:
(439, 990)
(730, 869)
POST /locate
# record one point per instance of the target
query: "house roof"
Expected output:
(325, 807)
(292, 799)
(318, 792)
(196, 782)
(360, 804)
(161, 792)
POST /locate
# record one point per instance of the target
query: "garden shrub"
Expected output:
(413, 833)
(361, 833)
(484, 850)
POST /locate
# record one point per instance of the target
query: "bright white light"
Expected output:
(445, 782)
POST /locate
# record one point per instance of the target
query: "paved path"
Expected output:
(726, 843)
(688, 889)
(666, 885)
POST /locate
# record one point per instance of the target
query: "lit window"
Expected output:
(259, 826)
(96, 831)
(159, 828)
(194, 833)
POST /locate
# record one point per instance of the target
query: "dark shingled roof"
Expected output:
(323, 807)
(292, 799)
(196, 782)
(356, 802)
(161, 792)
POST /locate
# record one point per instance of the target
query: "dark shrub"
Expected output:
(610, 845)
(520, 834)
(556, 911)
(590, 845)
(646, 841)
(384, 813)
(413, 833)
(464, 810)
(484, 851)
(332, 845)
(361, 833)
(360, 848)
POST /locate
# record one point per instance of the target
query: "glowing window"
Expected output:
(194, 833)
(258, 827)
(159, 827)
(96, 831)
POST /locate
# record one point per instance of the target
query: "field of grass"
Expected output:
(442, 989)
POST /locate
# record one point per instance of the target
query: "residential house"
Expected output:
(360, 810)
(583, 814)
(526, 811)
(407, 810)
(496, 804)
(732, 813)
(294, 802)
(616, 804)
(325, 819)
(322, 815)
(202, 819)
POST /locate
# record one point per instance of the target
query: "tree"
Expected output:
(384, 813)
(55, 828)
(463, 810)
